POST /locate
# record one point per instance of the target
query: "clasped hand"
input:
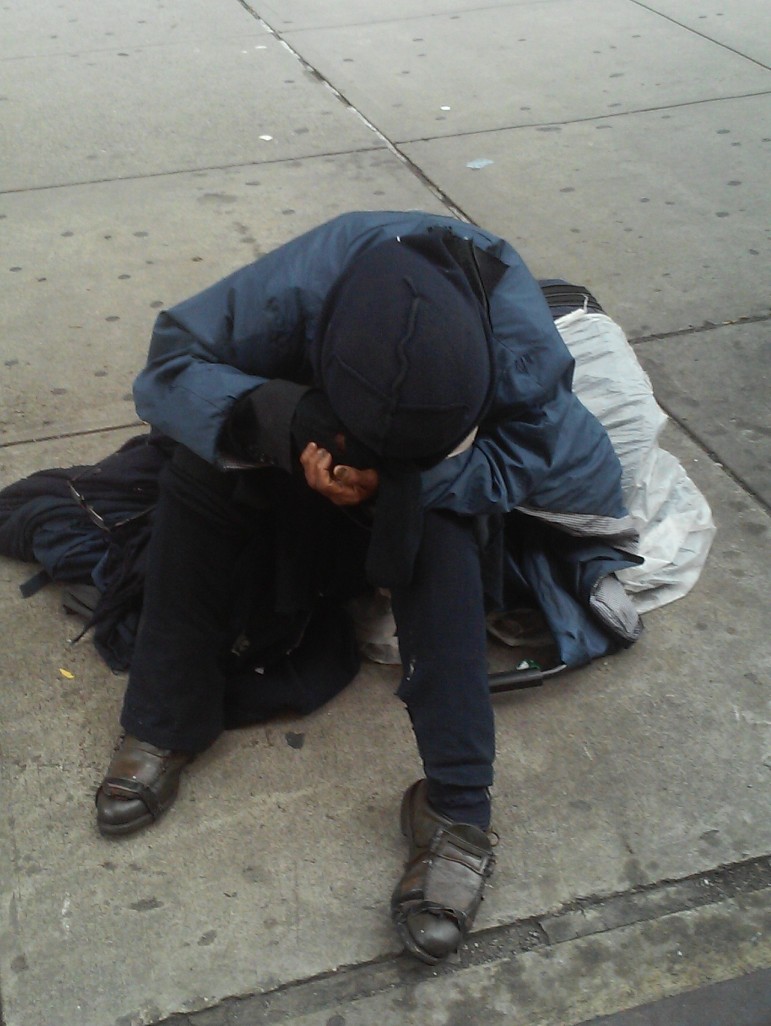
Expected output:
(342, 485)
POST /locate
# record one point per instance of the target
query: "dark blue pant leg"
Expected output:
(174, 697)
(218, 539)
(440, 620)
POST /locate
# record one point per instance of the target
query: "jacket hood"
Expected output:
(403, 351)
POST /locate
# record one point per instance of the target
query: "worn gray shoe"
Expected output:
(434, 904)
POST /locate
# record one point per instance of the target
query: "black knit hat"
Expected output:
(403, 351)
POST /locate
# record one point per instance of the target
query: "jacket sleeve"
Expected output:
(514, 449)
(253, 326)
(503, 469)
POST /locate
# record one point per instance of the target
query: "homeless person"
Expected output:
(383, 402)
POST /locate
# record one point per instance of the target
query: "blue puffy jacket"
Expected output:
(537, 446)
(538, 449)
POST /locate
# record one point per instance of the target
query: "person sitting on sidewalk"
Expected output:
(381, 402)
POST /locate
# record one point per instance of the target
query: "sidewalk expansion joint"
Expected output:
(392, 147)
(235, 166)
(138, 424)
(550, 126)
(686, 427)
(696, 32)
(581, 918)
(698, 329)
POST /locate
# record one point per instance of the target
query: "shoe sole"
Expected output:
(123, 829)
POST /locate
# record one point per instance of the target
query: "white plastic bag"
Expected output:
(674, 519)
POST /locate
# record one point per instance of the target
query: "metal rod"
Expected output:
(518, 680)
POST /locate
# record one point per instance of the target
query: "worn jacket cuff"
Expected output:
(259, 427)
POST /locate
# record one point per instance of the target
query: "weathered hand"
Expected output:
(345, 486)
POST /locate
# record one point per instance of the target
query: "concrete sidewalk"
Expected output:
(147, 150)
